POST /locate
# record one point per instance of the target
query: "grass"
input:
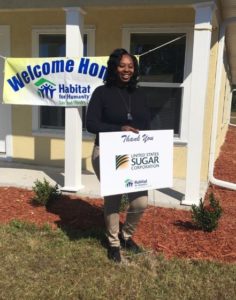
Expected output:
(40, 263)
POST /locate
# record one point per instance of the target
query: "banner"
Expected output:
(132, 162)
(54, 81)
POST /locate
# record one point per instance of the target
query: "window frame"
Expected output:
(36, 32)
(186, 84)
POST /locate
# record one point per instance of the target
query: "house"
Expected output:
(188, 81)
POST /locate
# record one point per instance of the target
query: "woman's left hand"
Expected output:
(129, 128)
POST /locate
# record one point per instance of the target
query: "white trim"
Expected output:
(75, 9)
(6, 51)
(127, 30)
(202, 21)
(200, 69)
(36, 31)
(51, 29)
(73, 116)
(208, 4)
(161, 84)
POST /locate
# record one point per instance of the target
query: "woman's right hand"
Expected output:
(129, 128)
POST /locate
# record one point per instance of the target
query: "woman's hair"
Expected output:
(112, 64)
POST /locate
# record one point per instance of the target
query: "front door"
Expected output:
(5, 110)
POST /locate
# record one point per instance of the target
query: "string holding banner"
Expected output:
(167, 43)
(149, 51)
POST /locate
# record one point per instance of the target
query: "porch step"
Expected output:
(25, 175)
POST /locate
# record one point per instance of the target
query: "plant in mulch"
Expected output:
(206, 217)
(45, 193)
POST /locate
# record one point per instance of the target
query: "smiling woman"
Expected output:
(125, 69)
(119, 105)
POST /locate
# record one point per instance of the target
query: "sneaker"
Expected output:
(114, 254)
(129, 244)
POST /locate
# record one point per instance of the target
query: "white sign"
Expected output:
(131, 162)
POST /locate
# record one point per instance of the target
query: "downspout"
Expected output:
(231, 103)
(212, 179)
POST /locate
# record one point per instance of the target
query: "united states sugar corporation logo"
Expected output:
(45, 89)
(122, 161)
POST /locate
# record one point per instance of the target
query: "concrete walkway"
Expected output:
(24, 176)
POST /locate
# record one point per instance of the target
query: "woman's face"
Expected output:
(125, 68)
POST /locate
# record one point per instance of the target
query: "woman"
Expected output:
(119, 105)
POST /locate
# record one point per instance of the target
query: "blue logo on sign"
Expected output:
(46, 88)
(128, 183)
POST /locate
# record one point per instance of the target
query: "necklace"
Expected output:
(127, 106)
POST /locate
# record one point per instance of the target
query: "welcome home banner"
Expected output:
(132, 162)
(56, 81)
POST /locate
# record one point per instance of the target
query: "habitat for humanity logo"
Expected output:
(137, 184)
(46, 88)
(122, 161)
(128, 183)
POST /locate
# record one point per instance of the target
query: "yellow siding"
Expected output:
(224, 107)
(24, 147)
(209, 105)
(111, 27)
(222, 124)
(57, 149)
(180, 154)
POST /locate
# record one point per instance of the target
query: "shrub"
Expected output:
(206, 217)
(45, 193)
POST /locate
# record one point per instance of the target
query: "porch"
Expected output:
(24, 175)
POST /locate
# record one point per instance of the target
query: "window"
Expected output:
(51, 43)
(163, 74)
(54, 46)
(165, 107)
(163, 65)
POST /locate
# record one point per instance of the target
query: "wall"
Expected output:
(209, 105)
(224, 107)
(223, 115)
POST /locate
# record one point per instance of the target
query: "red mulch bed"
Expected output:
(169, 231)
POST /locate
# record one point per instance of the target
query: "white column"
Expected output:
(200, 67)
(73, 116)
